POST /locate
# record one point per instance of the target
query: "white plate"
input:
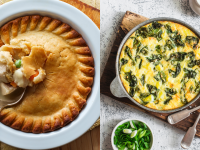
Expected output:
(91, 34)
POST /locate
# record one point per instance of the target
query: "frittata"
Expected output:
(160, 64)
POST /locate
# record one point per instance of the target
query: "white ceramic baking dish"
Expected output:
(87, 117)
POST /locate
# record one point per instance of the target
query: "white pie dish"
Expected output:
(80, 22)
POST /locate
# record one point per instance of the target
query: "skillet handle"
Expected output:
(116, 90)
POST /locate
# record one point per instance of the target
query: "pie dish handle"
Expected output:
(116, 89)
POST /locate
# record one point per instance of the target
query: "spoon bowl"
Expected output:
(12, 99)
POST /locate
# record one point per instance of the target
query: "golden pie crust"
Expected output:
(69, 69)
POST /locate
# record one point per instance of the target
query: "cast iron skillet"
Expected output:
(117, 81)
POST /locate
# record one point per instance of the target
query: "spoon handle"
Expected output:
(187, 139)
(176, 117)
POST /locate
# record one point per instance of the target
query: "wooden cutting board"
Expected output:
(129, 21)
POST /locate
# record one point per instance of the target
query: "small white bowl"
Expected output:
(126, 120)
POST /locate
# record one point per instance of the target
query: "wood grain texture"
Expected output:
(129, 21)
(89, 141)
(84, 143)
(91, 12)
(95, 136)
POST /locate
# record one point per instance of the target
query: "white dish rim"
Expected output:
(91, 112)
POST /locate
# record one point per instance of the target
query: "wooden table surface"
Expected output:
(88, 141)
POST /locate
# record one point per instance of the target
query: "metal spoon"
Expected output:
(176, 117)
(187, 139)
(17, 99)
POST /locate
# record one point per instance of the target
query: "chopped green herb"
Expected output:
(167, 100)
(143, 32)
(131, 79)
(160, 76)
(144, 50)
(154, 58)
(182, 93)
(158, 34)
(128, 52)
(175, 73)
(156, 25)
(189, 74)
(178, 56)
(198, 63)
(171, 91)
(168, 28)
(197, 87)
(178, 41)
(143, 96)
(191, 55)
(136, 42)
(133, 90)
(169, 45)
(163, 76)
(192, 61)
(192, 41)
(142, 79)
(152, 31)
(191, 89)
(157, 77)
(140, 64)
(159, 49)
(174, 36)
(137, 57)
(152, 89)
(124, 61)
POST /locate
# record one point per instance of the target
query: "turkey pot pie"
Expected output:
(160, 65)
(54, 61)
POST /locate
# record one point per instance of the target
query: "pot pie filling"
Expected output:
(21, 66)
(56, 65)
(160, 64)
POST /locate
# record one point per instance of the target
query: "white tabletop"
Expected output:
(112, 112)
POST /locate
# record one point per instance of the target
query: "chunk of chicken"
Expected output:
(7, 67)
(20, 79)
(6, 88)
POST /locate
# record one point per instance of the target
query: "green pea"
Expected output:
(18, 63)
